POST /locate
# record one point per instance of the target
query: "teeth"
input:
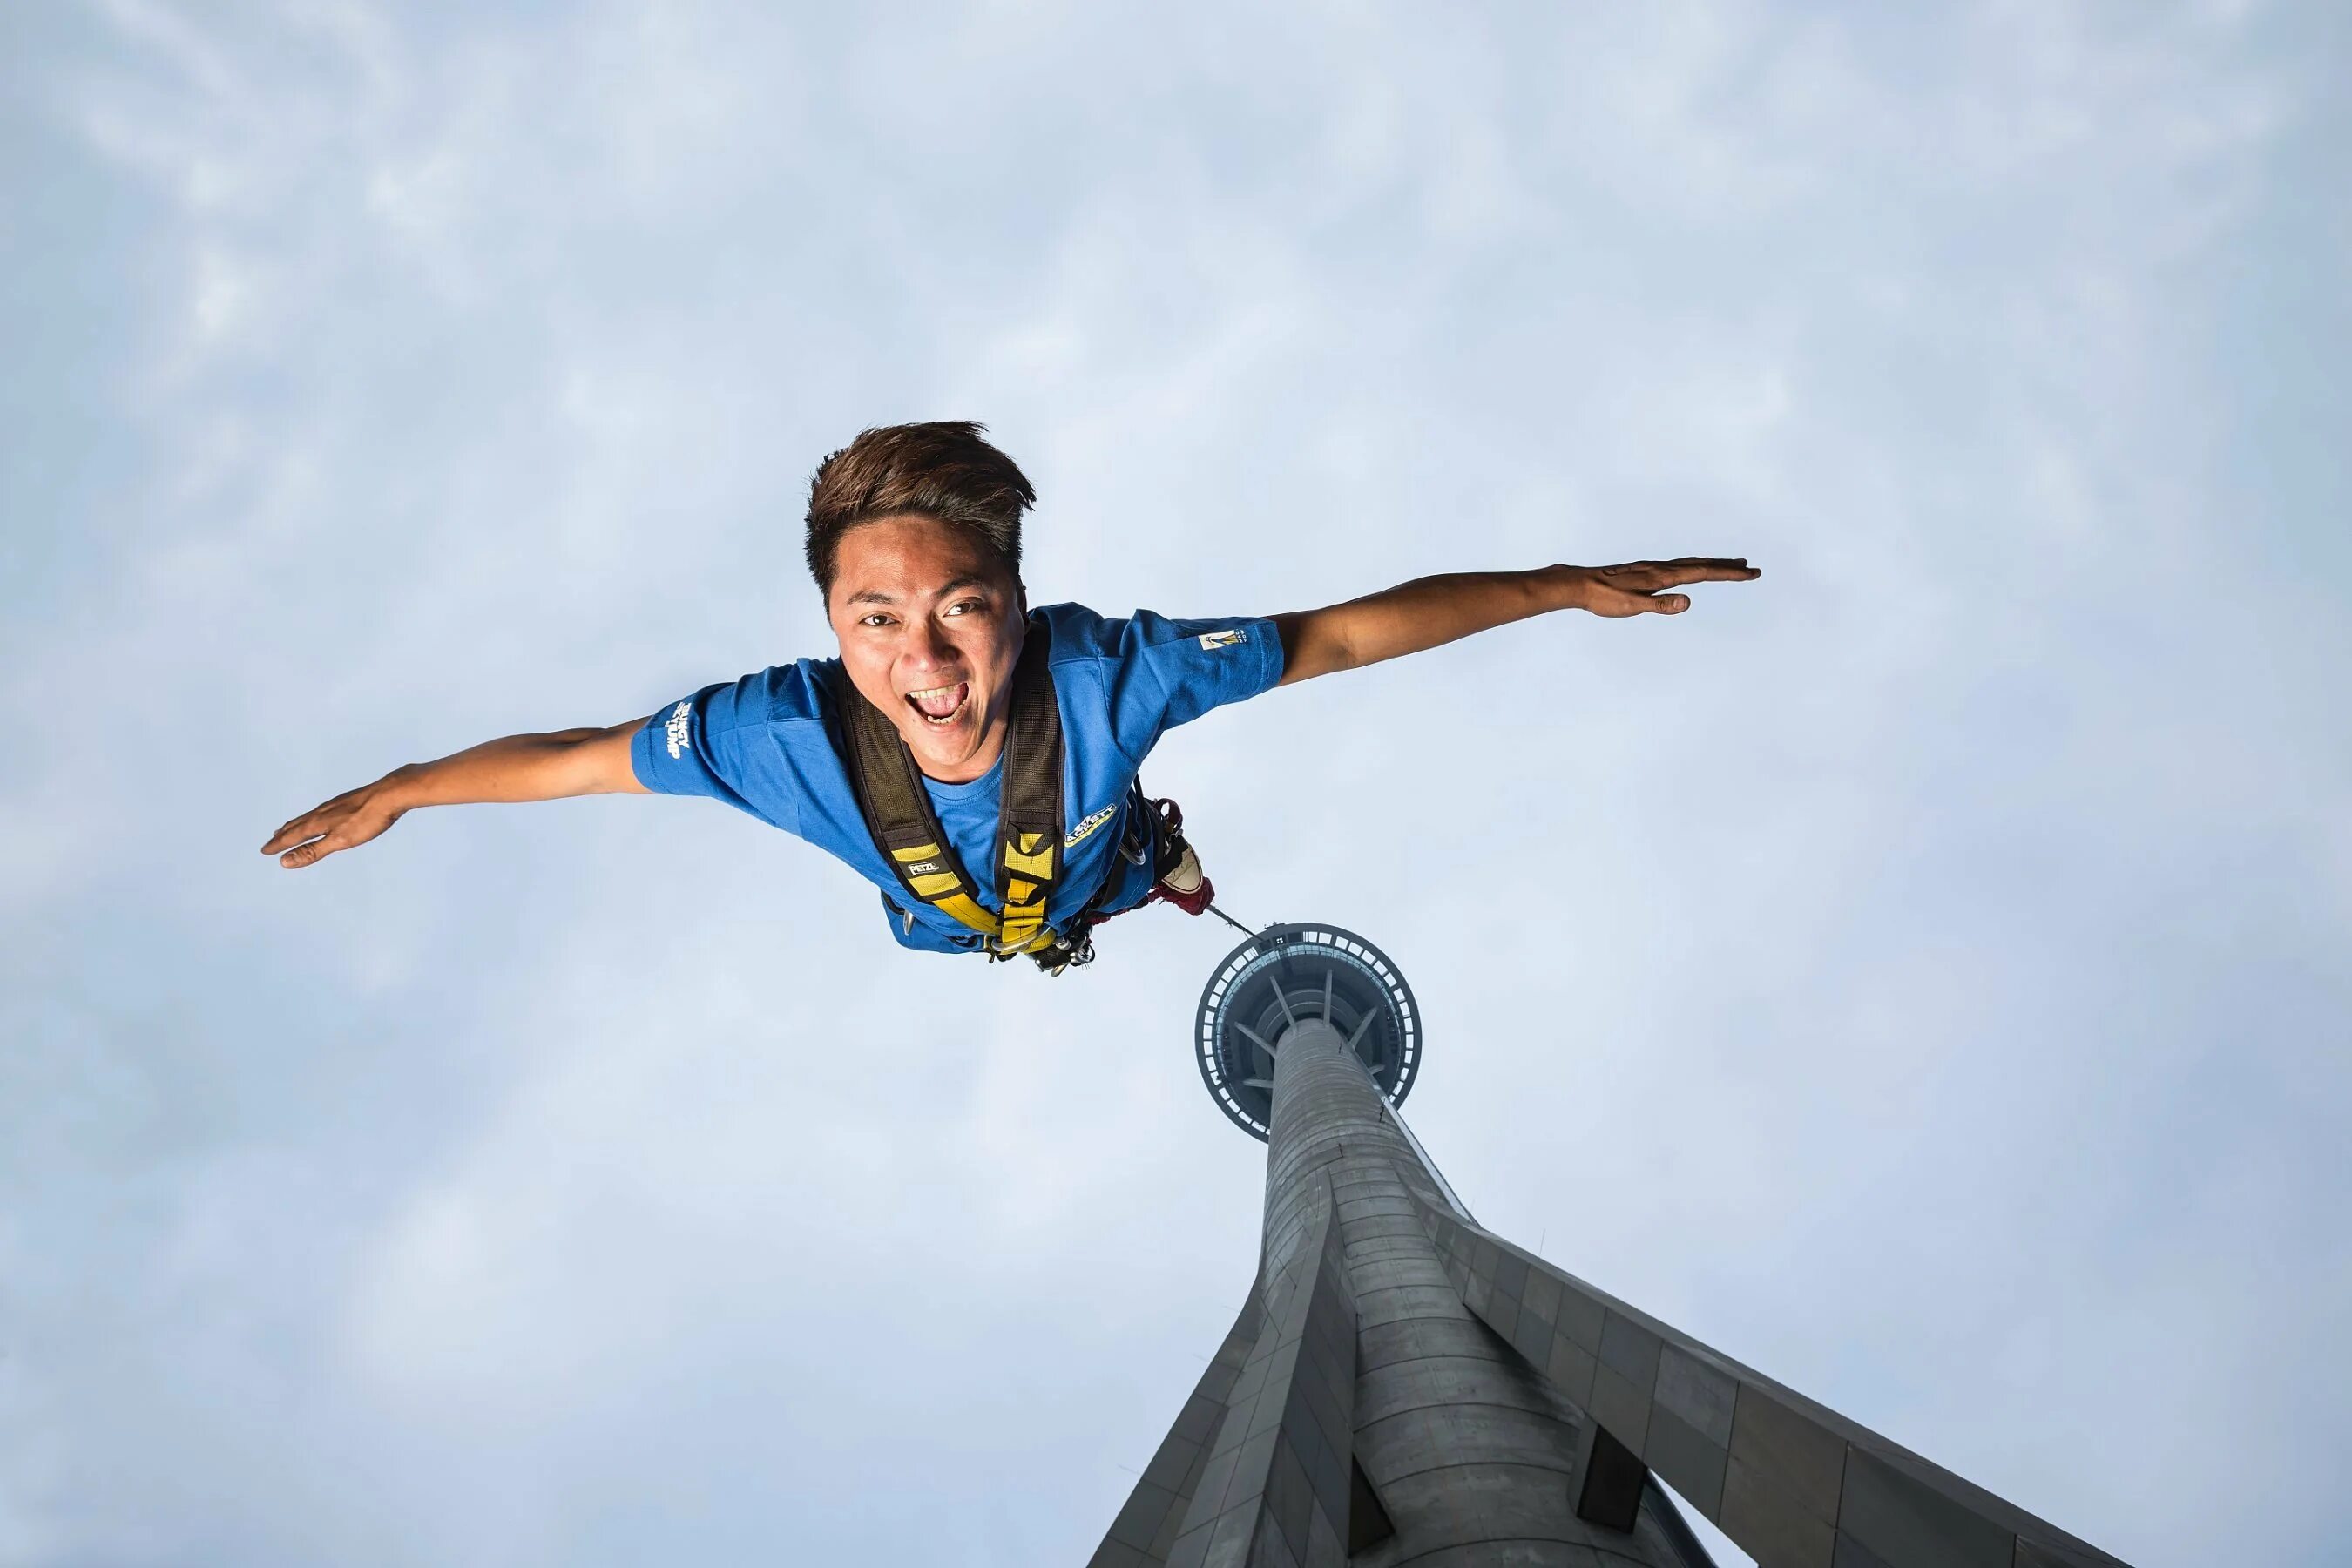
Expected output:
(953, 694)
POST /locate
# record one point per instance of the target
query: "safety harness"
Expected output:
(898, 811)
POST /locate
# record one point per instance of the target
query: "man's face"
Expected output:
(930, 623)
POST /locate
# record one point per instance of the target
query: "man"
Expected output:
(972, 758)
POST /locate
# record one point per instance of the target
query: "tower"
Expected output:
(1401, 1386)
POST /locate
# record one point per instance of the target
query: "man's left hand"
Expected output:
(1638, 587)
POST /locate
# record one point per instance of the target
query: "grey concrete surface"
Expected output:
(1793, 1484)
(1468, 1448)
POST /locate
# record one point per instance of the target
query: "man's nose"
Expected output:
(929, 645)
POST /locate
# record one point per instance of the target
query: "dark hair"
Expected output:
(941, 470)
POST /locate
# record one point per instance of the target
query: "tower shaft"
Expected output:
(1468, 1448)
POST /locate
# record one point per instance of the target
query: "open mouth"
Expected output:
(941, 705)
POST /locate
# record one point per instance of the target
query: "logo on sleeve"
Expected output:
(1224, 639)
(1089, 825)
(675, 730)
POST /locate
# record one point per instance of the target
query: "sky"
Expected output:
(1921, 973)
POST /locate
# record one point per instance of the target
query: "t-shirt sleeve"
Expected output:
(1170, 672)
(714, 743)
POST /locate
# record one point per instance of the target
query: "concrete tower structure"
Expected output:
(1402, 1387)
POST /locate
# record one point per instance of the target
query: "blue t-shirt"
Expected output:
(765, 745)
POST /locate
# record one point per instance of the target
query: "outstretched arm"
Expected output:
(515, 767)
(1429, 611)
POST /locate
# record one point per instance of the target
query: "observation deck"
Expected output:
(1283, 976)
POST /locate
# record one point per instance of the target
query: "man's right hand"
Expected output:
(514, 768)
(351, 819)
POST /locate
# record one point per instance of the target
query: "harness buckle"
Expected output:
(1065, 953)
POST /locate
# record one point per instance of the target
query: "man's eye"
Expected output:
(962, 605)
(876, 619)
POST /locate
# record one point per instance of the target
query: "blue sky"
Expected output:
(1922, 974)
